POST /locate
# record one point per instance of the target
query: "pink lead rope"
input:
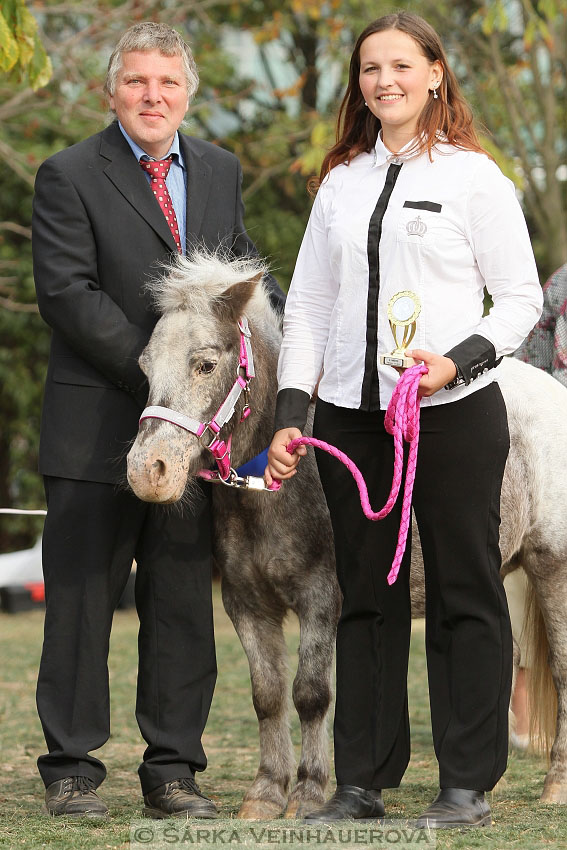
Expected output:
(402, 421)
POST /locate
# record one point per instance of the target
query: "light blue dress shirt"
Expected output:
(176, 181)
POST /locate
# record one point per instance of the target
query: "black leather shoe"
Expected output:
(180, 798)
(456, 807)
(347, 803)
(74, 796)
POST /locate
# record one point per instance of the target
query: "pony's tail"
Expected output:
(542, 695)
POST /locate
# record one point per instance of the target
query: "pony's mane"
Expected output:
(195, 281)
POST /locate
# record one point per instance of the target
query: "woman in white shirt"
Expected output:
(408, 200)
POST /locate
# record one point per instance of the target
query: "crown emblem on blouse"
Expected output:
(416, 227)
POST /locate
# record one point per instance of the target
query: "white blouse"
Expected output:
(450, 227)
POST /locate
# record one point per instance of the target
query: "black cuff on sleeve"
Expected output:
(291, 409)
(473, 356)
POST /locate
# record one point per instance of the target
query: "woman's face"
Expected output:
(396, 82)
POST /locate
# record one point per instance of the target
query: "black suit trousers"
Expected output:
(93, 531)
(461, 458)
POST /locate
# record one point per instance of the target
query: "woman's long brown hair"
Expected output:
(449, 114)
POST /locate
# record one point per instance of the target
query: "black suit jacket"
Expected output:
(97, 235)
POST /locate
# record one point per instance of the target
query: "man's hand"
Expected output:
(281, 464)
(441, 371)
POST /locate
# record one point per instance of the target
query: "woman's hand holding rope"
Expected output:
(281, 464)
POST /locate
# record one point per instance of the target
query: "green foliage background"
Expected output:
(21, 50)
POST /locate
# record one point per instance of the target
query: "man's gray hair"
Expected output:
(151, 36)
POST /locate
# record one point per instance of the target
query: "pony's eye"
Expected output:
(206, 367)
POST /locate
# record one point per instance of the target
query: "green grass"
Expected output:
(232, 748)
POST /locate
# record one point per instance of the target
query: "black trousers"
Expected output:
(92, 533)
(462, 453)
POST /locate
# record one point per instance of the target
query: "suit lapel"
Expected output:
(123, 170)
(199, 175)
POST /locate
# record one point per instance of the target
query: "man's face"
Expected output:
(150, 99)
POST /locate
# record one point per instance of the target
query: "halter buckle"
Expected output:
(249, 482)
(213, 437)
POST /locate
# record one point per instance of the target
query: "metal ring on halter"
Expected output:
(232, 479)
(241, 373)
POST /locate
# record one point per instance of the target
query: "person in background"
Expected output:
(546, 346)
(409, 200)
(109, 213)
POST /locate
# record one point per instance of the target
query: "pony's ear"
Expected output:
(231, 304)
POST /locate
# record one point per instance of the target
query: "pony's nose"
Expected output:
(150, 476)
(158, 470)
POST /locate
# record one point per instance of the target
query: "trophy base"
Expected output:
(397, 361)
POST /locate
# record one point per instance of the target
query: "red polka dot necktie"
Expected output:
(158, 171)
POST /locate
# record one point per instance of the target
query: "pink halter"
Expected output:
(208, 432)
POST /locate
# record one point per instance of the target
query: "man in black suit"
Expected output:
(99, 231)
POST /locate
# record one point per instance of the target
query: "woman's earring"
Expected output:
(365, 103)
(435, 95)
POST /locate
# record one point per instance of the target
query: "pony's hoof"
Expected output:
(259, 810)
(554, 792)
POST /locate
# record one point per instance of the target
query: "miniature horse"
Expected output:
(274, 550)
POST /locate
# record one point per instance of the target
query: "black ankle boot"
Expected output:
(348, 803)
(456, 807)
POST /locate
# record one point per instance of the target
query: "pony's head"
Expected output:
(191, 362)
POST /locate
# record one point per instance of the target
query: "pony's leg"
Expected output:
(263, 641)
(550, 584)
(318, 617)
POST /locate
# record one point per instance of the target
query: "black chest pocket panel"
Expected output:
(430, 206)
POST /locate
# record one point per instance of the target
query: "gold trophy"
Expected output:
(403, 310)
